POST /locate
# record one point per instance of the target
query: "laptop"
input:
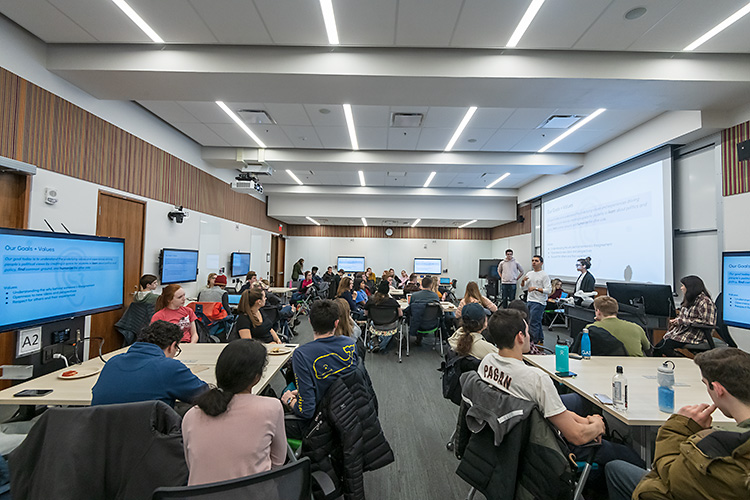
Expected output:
(234, 299)
(445, 281)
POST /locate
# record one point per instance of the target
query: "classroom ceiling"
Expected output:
(435, 58)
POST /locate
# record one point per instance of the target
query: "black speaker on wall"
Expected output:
(743, 150)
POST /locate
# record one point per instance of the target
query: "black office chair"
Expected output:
(709, 342)
(290, 482)
(383, 319)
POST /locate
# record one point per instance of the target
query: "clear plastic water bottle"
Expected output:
(665, 377)
(585, 344)
(562, 364)
(620, 390)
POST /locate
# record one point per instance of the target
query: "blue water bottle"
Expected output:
(665, 377)
(561, 356)
(585, 344)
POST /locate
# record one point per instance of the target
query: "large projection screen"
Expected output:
(622, 220)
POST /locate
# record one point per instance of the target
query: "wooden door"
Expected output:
(119, 217)
(14, 209)
(278, 247)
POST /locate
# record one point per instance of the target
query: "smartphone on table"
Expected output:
(32, 393)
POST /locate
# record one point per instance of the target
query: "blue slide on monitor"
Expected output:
(736, 288)
(428, 266)
(240, 263)
(178, 266)
(351, 264)
(46, 277)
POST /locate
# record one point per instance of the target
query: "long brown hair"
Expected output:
(343, 286)
(345, 321)
(167, 294)
(248, 300)
(208, 280)
(472, 292)
(466, 341)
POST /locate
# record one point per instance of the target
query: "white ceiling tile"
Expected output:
(371, 116)
(365, 22)
(372, 137)
(733, 39)
(576, 15)
(233, 135)
(169, 111)
(404, 139)
(444, 117)
(103, 20)
(334, 137)
(434, 139)
(490, 117)
(45, 21)
(293, 22)
(426, 22)
(487, 23)
(201, 134)
(288, 114)
(233, 21)
(527, 118)
(272, 135)
(474, 139)
(302, 137)
(205, 112)
(334, 118)
(504, 139)
(579, 141)
(174, 20)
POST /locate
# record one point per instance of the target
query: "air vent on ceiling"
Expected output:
(406, 120)
(256, 116)
(560, 121)
(390, 222)
(396, 174)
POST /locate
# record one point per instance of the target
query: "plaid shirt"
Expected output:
(702, 311)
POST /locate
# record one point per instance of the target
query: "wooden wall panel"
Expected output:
(428, 233)
(735, 174)
(45, 130)
(514, 228)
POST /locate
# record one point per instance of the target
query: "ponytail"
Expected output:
(214, 402)
(465, 342)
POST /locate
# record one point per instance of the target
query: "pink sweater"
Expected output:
(246, 439)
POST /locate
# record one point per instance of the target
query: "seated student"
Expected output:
(507, 371)
(472, 295)
(401, 280)
(361, 294)
(347, 326)
(250, 279)
(303, 287)
(318, 364)
(171, 307)
(346, 292)
(412, 284)
(148, 371)
(468, 339)
(425, 294)
(696, 307)
(314, 275)
(210, 281)
(380, 338)
(631, 335)
(251, 324)
(216, 293)
(146, 286)
(219, 443)
(557, 291)
(691, 460)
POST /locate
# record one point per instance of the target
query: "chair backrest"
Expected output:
(383, 315)
(432, 312)
(720, 326)
(290, 482)
(270, 313)
(603, 343)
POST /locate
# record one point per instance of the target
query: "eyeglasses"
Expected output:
(177, 351)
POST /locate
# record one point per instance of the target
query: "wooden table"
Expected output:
(643, 415)
(446, 306)
(200, 358)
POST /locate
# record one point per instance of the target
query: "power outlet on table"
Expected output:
(49, 352)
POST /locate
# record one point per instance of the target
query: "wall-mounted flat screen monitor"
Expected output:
(46, 277)
(735, 286)
(656, 299)
(428, 266)
(178, 265)
(234, 298)
(488, 269)
(351, 264)
(240, 263)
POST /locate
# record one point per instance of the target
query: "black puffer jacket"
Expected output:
(345, 439)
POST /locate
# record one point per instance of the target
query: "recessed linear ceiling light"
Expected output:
(312, 220)
(461, 127)
(364, 221)
(572, 129)
(296, 179)
(350, 125)
(492, 184)
(719, 28)
(415, 222)
(529, 16)
(362, 178)
(326, 6)
(467, 223)
(138, 20)
(429, 179)
(236, 119)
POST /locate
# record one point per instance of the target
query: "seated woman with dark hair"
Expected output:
(346, 292)
(251, 324)
(468, 340)
(696, 308)
(381, 299)
(361, 293)
(233, 433)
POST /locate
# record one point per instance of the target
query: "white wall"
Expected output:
(460, 257)
(77, 207)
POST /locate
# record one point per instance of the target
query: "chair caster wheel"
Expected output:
(449, 446)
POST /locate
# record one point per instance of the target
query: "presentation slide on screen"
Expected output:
(240, 263)
(47, 277)
(736, 289)
(428, 266)
(621, 223)
(179, 266)
(351, 264)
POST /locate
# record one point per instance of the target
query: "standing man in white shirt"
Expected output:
(539, 286)
(509, 271)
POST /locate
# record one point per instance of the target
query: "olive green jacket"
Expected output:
(695, 463)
